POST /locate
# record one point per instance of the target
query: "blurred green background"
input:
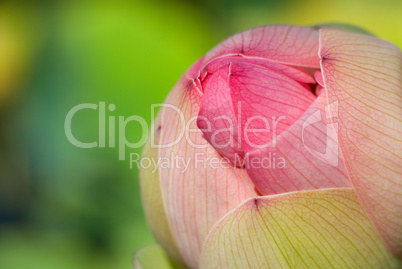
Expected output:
(67, 207)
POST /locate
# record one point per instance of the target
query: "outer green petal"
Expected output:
(153, 204)
(311, 229)
(152, 257)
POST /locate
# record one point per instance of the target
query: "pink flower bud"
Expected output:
(273, 111)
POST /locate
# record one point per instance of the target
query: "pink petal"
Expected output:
(292, 45)
(364, 74)
(224, 103)
(267, 101)
(198, 196)
(300, 74)
(318, 78)
(217, 119)
(303, 157)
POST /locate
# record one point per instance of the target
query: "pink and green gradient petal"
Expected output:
(364, 74)
(197, 197)
(312, 229)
